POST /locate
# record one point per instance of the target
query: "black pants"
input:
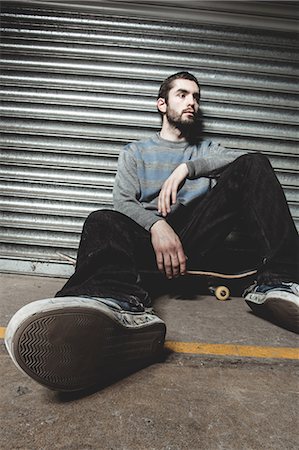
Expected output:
(113, 248)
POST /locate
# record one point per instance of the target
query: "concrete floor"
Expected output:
(188, 401)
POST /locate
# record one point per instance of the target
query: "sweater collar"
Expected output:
(171, 144)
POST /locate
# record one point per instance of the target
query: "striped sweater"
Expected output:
(143, 166)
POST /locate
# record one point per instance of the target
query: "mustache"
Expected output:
(189, 110)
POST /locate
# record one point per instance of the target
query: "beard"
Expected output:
(187, 126)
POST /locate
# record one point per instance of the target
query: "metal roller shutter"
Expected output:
(78, 82)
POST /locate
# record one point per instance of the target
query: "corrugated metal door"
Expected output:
(80, 82)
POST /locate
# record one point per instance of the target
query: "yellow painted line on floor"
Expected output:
(251, 351)
(2, 332)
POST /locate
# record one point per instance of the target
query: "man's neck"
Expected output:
(170, 133)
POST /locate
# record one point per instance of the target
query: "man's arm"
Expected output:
(169, 190)
(170, 256)
(217, 157)
(214, 157)
(126, 192)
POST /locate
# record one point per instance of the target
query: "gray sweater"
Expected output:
(143, 166)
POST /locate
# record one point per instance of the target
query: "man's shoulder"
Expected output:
(210, 145)
(205, 143)
(142, 144)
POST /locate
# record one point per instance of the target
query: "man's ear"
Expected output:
(161, 105)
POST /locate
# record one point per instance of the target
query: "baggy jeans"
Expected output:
(114, 249)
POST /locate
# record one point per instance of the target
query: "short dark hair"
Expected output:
(168, 83)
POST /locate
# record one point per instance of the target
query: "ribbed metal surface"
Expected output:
(79, 80)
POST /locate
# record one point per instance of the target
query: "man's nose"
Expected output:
(191, 100)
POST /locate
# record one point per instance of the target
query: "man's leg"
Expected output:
(98, 321)
(108, 258)
(248, 188)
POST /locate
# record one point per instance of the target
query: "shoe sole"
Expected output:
(283, 310)
(69, 346)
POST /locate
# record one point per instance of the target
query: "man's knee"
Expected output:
(254, 164)
(254, 159)
(101, 214)
(108, 219)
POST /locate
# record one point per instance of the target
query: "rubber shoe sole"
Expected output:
(66, 345)
(283, 307)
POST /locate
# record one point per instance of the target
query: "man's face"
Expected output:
(182, 105)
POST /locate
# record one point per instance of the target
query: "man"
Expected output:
(167, 215)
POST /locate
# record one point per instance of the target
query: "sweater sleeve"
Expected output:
(215, 157)
(126, 191)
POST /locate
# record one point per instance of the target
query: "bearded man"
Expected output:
(169, 212)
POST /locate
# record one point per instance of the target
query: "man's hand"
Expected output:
(170, 255)
(168, 193)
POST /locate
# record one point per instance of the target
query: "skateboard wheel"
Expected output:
(222, 293)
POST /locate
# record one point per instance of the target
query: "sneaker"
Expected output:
(281, 301)
(66, 343)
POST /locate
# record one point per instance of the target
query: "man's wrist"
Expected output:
(154, 225)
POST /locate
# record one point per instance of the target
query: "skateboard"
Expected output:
(221, 291)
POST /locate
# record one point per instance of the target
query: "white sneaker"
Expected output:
(281, 301)
(66, 343)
